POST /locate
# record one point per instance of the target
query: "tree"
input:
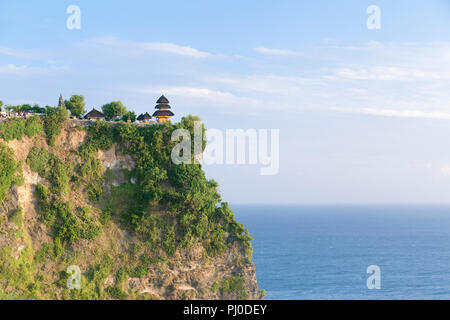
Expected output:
(113, 110)
(130, 115)
(37, 109)
(76, 105)
(24, 107)
(1, 105)
(11, 108)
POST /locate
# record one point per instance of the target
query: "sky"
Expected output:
(363, 114)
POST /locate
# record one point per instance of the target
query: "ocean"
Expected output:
(322, 252)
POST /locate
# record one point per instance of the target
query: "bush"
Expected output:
(100, 136)
(50, 167)
(140, 272)
(234, 284)
(58, 247)
(216, 243)
(169, 241)
(69, 226)
(17, 217)
(33, 126)
(53, 121)
(72, 227)
(44, 253)
(12, 129)
(59, 176)
(8, 168)
(116, 293)
(15, 128)
(38, 160)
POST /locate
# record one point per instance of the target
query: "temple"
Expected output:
(94, 115)
(61, 101)
(144, 118)
(163, 114)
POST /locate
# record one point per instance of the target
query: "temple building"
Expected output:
(61, 101)
(144, 118)
(94, 115)
(163, 114)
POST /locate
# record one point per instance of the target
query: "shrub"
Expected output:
(233, 284)
(169, 241)
(140, 272)
(58, 247)
(100, 136)
(53, 120)
(17, 217)
(33, 126)
(8, 167)
(38, 160)
(50, 167)
(216, 243)
(59, 176)
(116, 293)
(45, 252)
(69, 226)
(12, 129)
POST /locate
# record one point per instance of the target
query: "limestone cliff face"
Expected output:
(30, 269)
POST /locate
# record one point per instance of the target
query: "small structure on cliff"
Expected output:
(94, 115)
(61, 101)
(163, 114)
(144, 118)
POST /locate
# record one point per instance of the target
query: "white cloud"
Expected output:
(266, 84)
(395, 113)
(186, 92)
(16, 53)
(163, 47)
(11, 69)
(277, 52)
(382, 73)
(201, 97)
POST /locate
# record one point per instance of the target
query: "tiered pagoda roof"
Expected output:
(163, 108)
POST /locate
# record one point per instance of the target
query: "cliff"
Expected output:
(107, 199)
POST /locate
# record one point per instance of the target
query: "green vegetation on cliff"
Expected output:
(53, 121)
(10, 170)
(15, 128)
(163, 208)
(193, 204)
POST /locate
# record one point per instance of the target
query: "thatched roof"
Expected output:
(162, 100)
(162, 106)
(140, 117)
(163, 113)
(94, 114)
(146, 116)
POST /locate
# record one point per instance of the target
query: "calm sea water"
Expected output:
(322, 252)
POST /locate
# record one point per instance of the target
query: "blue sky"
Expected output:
(364, 115)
